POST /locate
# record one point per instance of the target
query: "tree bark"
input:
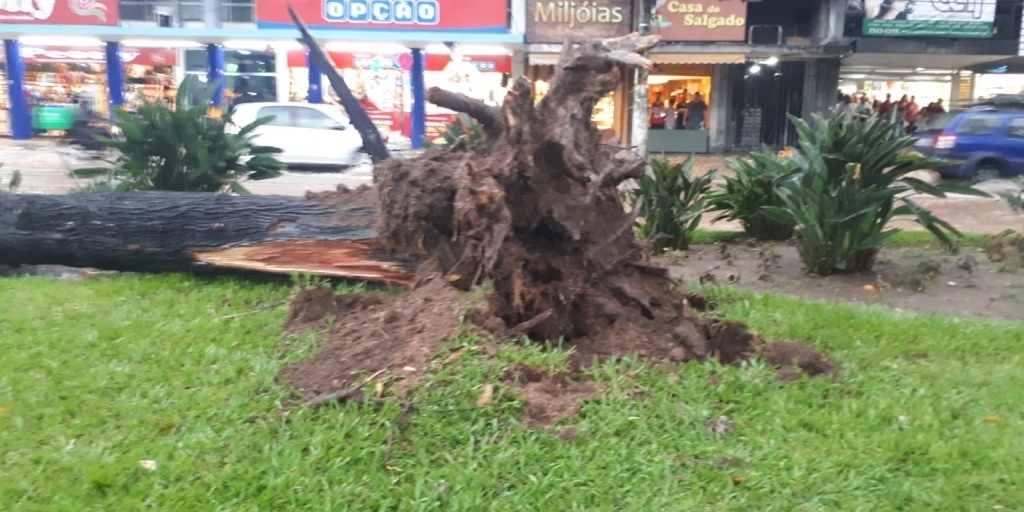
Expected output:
(175, 231)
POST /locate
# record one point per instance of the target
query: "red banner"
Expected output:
(469, 16)
(434, 61)
(60, 12)
(159, 57)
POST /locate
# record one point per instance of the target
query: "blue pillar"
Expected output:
(215, 70)
(21, 118)
(316, 82)
(115, 76)
(419, 99)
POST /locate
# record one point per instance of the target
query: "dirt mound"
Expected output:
(344, 196)
(373, 333)
(797, 359)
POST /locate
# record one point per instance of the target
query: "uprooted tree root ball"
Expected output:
(534, 209)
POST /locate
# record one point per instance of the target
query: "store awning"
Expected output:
(550, 59)
(698, 58)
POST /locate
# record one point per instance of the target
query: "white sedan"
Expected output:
(308, 134)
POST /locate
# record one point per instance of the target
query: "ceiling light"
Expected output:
(482, 50)
(60, 41)
(771, 61)
(755, 69)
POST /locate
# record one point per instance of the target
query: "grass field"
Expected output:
(101, 374)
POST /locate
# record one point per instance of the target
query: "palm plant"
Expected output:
(188, 148)
(754, 186)
(672, 203)
(853, 179)
(462, 128)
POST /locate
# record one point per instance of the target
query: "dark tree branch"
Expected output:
(373, 144)
(489, 117)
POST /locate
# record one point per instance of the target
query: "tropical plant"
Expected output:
(853, 179)
(188, 148)
(672, 203)
(754, 186)
(13, 183)
(462, 128)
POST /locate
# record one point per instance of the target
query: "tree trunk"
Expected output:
(176, 231)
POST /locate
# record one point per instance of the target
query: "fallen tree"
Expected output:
(177, 231)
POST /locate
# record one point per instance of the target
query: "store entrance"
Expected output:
(678, 98)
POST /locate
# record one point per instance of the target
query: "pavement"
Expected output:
(45, 166)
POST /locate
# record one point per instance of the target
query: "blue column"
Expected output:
(21, 118)
(215, 70)
(419, 98)
(316, 82)
(115, 76)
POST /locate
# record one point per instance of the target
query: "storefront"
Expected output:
(78, 76)
(550, 23)
(251, 63)
(684, 88)
(382, 81)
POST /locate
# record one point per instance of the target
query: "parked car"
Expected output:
(308, 134)
(984, 143)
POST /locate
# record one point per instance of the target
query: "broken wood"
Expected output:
(180, 231)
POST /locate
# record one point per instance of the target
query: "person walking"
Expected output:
(845, 110)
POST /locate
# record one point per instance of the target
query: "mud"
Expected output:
(392, 337)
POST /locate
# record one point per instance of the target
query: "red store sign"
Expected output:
(141, 56)
(434, 61)
(59, 12)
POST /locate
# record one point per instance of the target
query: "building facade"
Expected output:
(105, 54)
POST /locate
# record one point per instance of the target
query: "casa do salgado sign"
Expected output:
(700, 20)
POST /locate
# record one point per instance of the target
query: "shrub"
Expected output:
(184, 149)
(671, 203)
(851, 177)
(755, 186)
(462, 128)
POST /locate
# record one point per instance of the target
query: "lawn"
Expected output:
(101, 374)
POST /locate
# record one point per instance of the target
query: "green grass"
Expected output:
(100, 374)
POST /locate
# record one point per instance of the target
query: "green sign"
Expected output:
(927, 28)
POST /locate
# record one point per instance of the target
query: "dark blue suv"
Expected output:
(986, 144)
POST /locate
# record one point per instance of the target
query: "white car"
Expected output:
(308, 134)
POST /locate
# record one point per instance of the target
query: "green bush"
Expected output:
(853, 179)
(462, 128)
(184, 149)
(671, 203)
(755, 186)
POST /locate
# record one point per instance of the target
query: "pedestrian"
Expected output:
(845, 109)
(864, 109)
(696, 111)
(910, 115)
(885, 108)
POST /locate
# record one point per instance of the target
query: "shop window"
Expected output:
(978, 125)
(237, 11)
(1016, 128)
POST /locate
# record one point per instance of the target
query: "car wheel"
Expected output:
(985, 172)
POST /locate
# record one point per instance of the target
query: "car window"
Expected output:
(1016, 128)
(978, 125)
(282, 115)
(304, 117)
